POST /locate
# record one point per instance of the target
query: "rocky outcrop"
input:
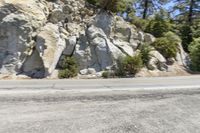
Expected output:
(50, 44)
(182, 57)
(157, 61)
(35, 34)
(19, 21)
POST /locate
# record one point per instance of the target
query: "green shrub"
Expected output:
(196, 33)
(119, 5)
(171, 36)
(194, 49)
(129, 65)
(186, 35)
(119, 71)
(111, 5)
(105, 74)
(69, 68)
(66, 73)
(109, 74)
(196, 29)
(68, 62)
(145, 50)
(166, 47)
(158, 26)
(139, 22)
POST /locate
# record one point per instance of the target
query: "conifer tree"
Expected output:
(149, 7)
(187, 15)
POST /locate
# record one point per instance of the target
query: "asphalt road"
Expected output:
(142, 105)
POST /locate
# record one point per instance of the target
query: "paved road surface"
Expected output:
(142, 105)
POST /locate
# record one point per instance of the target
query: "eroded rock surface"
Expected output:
(19, 23)
(35, 34)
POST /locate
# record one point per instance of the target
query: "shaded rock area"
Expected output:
(35, 34)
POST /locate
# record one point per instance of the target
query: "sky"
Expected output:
(169, 6)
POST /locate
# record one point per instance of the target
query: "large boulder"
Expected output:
(56, 16)
(82, 52)
(124, 47)
(182, 57)
(148, 38)
(157, 61)
(104, 21)
(70, 45)
(99, 48)
(50, 46)
(95, 50)
(122, 30)
(33, 66)
(19, 22)
(116, 53)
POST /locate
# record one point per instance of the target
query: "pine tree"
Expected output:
(188, 10)
(115, 5)
(159, 24)
(149, 7)
(187, 14)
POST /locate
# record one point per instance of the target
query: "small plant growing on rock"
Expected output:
(69, 68)
(139, 22)
(145, 50)
(129, 65)
(158, 26)
(172, 37)
(166, 47)
(110, 5)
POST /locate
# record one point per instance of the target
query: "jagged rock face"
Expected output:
(182, 57)
(28, 43)
(157, 61)
(50, 45)
(18, 23)
(35, 34)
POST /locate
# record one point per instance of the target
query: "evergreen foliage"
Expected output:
(158, 26)
(146, 8)
(112, 5)
(165, 46)
(173, 37)
(188, 14)
(69, 68)
(145, 50)
(179, 24)
(194, 49)
(129, 65)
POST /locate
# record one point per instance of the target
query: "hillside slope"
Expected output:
(36, 34)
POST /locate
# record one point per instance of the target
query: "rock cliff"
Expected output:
(35, 34)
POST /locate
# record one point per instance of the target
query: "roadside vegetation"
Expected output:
(177, 24)
(145, 50)
(194, 49)
(68, 68)
(126, 67)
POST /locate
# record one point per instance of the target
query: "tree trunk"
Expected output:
(190, 15)
(146, 3)
(105, 4)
